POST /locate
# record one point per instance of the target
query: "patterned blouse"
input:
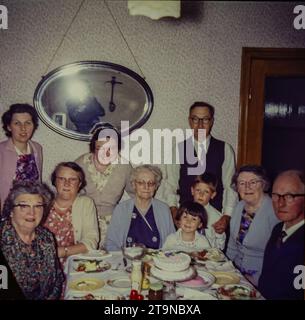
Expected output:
(26, 168)
(59, 222)
(35, 266)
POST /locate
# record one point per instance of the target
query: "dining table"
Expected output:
(111, 280)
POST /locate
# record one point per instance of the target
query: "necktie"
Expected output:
(279, 241)
(201, 155)
(202, 152)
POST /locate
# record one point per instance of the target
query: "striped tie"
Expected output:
(279, 241)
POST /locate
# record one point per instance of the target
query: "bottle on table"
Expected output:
(146, 274)
(136, 275)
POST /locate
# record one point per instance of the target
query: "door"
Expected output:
(272, 109)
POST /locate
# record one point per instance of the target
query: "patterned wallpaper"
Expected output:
(197, 57)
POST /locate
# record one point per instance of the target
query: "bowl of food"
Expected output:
(212, 254)
(237, 292)
(87, 266)
(135, 251)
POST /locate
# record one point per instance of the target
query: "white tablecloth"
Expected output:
(118, 270)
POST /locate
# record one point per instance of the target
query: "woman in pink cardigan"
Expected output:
(20, 158)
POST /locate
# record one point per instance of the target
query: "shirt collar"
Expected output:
(28, 150)
(292, 229)
(207, 142)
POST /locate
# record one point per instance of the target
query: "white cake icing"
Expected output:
(172, 275)
(172, 262)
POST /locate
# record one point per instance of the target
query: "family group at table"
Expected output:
(259, 227)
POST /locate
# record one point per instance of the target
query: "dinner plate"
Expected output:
(202, 281)
(86, 284)
(190, 294)
(237, 292)
(94, 255)
(89, 266)
(120, 283)
(212, 254)
(223, 278)
(96, 296)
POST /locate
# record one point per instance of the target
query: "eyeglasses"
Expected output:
(252, 184)
(72, 181)
(204, 120)
(27, 207)
(288, 197)
(149, 184)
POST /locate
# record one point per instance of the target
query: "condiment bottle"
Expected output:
(146, 274)
(155, 291)
(136, 275)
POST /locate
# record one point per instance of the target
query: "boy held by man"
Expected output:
(203, 190)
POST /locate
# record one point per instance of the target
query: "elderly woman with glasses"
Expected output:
(72, 218)
(29, 248)
(252, 221)
(142, 219)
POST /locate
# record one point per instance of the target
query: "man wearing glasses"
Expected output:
(285, 249)
(218, 158)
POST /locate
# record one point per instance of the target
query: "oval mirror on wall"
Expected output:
(73, 98)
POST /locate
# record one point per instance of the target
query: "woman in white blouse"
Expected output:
(106, 173)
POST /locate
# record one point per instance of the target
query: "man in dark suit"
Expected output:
(215, 156)
(285, 249)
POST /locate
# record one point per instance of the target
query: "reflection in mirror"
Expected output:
(73, 98)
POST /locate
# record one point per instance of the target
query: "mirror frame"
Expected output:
(83, 65)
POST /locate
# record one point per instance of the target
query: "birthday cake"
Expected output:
(172, 266)
(171, 261)
(172, 275)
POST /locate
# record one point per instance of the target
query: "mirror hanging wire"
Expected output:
(64, 36)
(117, 26)
(124, 38)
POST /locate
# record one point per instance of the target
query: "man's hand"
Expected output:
(174, 213)
(221, 225)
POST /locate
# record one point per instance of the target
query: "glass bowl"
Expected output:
(134, 251)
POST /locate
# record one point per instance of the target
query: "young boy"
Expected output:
(204, 189)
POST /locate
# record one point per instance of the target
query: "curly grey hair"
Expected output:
(27, 187)
(259, 171)
(153, 169)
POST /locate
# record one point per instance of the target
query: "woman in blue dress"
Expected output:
(142, 219)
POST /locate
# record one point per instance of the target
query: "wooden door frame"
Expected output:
(249, 54)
